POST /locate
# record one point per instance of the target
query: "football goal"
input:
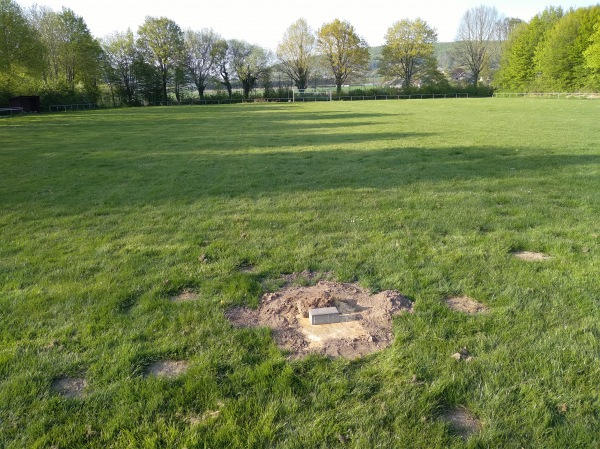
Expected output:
(312, 94)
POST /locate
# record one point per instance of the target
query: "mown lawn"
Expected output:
(105, 215)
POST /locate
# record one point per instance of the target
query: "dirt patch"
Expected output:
(462, 422)
(69, 387)
(530, 256)
(194, 419)
(365, 327)
(167, 368)
(185, 296)
(465, 304)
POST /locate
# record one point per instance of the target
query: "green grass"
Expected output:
(105, 214)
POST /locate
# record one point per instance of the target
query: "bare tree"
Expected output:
(296, 52)
(475, 39)
(200, 57)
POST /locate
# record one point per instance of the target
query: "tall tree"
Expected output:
(518, 70)
(223, 63)
(121, 53)
(249, 63)
(592, 57)
(345, 52)
(296, 52)
(407, 49)
(200, 58)
(161, 42)
(475, 39)
(560, 59)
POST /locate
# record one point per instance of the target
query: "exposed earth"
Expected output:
(365, 327)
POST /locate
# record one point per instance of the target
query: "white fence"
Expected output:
(555, 95)
(10, 111)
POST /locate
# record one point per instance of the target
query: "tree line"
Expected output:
(53, 54)
(555, 51)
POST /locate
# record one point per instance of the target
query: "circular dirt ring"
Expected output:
(365, 319)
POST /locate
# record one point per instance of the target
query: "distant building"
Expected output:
(29, 104)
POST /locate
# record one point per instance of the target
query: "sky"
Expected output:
(263, 22)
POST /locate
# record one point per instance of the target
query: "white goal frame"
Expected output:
(312, 94)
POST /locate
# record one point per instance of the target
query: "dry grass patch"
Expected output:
(185, 296)
(531, 256)
(69, 387)
(465, 304)
(462, 422)
(167, 368)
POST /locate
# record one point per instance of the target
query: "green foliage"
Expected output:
(408, 51)
(346, 54)
(296, 53)
(560, 60)
(21, 52)
(160, 41)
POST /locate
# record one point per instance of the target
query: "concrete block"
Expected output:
(325, 315)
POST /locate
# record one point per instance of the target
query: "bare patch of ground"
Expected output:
(530, 256)
(365, 327)
(466, 305)
(462, 422)
(185, 295)
(463, 354)
(69, 387)
(194, 419)
(167, 368)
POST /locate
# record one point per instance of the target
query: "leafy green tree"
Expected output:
(408, 47)
(518, 70)
(200, 59)
(249, 62)
(296, 53)
(73, 55)
(120, 56)
(21, 51)
(560, 59)
(346, 54)
(160, 41)
(592, 57)
(475, 39)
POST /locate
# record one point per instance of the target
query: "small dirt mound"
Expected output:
(185, 296)
(465, 304)
(462, 422)
(167, 368)
(69, 387)
(530, 256)
(365, 327)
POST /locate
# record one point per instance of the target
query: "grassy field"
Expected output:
(105, 215)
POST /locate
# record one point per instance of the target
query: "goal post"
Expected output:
(312, 94)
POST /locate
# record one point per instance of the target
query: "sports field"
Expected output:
(127, 236)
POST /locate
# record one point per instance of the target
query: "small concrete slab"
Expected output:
(324, 315)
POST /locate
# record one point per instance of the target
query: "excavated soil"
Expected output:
(365, 327)
(530, 256)
(465, 304)
(167, 368)
(462, 422)
(69, 387)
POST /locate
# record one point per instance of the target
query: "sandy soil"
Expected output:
(167, 368)
(366, 319)
(466, 305)
(530, 256)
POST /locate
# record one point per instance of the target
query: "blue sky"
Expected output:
(264, 22)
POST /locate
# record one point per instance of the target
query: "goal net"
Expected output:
(312, 94)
